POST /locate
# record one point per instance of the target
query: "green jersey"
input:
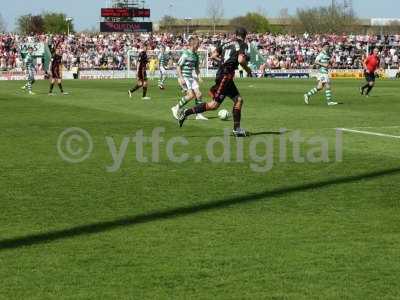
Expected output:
(29, 61)
(189, 62)
(323, 58)
(163, 59)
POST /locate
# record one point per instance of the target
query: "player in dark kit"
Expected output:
(142, 82)
(55, 69)
(230, 55)
(371, 64)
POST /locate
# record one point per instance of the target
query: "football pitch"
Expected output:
(264, 218)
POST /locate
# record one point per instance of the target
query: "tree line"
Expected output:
(335, 18)
(47, 22)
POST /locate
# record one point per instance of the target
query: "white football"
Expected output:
(224, 115)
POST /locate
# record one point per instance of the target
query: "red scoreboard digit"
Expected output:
(141, 13)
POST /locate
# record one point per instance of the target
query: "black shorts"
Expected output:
(224, 87)
(142, 74)
(370, 77)
(55, 73)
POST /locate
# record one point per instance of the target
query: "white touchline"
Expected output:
(377, 127)
(370, 133)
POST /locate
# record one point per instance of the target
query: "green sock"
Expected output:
(199, 101)
(328, 94)
(312, 92)
(182, 102)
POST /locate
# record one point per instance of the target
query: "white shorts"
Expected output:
(324, 78)
(163, 70)
(191, 84)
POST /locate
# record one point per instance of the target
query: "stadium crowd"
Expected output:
(109, 51)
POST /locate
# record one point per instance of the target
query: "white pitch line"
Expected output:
(369, 133)
(378, 127)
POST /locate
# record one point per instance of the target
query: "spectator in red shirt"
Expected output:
(371, 64)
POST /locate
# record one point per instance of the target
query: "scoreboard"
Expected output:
(125, 19)
(125, 13)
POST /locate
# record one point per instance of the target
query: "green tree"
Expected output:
(328, 19)
(253, 22)
(393, 27)
(56, 23)
(28, 24)
(215, 11)
(168, 22)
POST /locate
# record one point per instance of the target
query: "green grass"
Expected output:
(198, 230)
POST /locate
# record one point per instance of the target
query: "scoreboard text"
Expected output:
(127, 27)
(125, 13)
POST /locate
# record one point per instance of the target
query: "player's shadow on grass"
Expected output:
(94, 228)
(250, 134)
(269, 133)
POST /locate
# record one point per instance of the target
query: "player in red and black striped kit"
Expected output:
(230, 54)
(142, 82)
(55, 69)
(371, 64)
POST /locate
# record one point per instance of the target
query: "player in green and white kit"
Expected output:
(29, 65)
(163, 63)
(323, 61)
(189, 63)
